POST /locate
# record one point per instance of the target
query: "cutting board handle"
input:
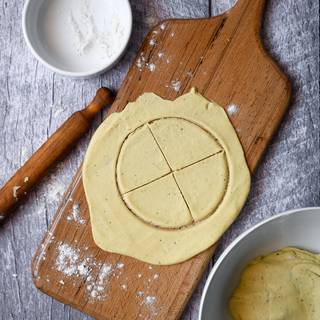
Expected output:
(253, 10)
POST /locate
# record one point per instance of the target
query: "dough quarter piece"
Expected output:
(203, 185)
(140, 160)
(160, 203)
(190, 144)
(115, 226)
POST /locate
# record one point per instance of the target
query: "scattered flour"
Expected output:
(119, 265)
(175, 85)
(83, 269)
(124, 286)
(56, 189)
(67, 260)
(153, 42)
(40, 209)
(149, 304)
(96, 288)
(160, 54)
(96, 274)
(15, 191)
(149, 300)
(151, 67)
(75, 214)
(26, 179)
(141, 61)
(140, 293)
(163, 26)
(232, 109)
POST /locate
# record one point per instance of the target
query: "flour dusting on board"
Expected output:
(70, 263)
(75, 214)
(67, 260)
(153, 42)
(97, 288)
(149, 303)
(175, 85)
(151, 67)
(232, 109)
(143, 60)
(75, 268)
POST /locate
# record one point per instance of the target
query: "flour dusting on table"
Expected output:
(56, 189)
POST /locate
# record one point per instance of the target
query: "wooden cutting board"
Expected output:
(224, 59)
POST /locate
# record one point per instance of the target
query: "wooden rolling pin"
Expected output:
(58, 145)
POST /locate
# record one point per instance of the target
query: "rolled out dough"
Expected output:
(164, 179)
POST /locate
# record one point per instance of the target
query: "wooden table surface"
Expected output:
(34, 101)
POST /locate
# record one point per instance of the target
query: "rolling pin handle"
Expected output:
(103, 98)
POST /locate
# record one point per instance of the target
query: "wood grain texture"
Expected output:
(34, 102)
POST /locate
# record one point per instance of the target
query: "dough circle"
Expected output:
(136, 198)
(164, 179)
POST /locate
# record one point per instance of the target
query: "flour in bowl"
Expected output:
(80, 34)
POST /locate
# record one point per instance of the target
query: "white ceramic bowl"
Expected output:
(51, 30)
(298, 228)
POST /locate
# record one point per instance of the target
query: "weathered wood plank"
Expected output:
(34, 102)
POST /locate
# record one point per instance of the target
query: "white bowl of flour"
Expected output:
(77, 38)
